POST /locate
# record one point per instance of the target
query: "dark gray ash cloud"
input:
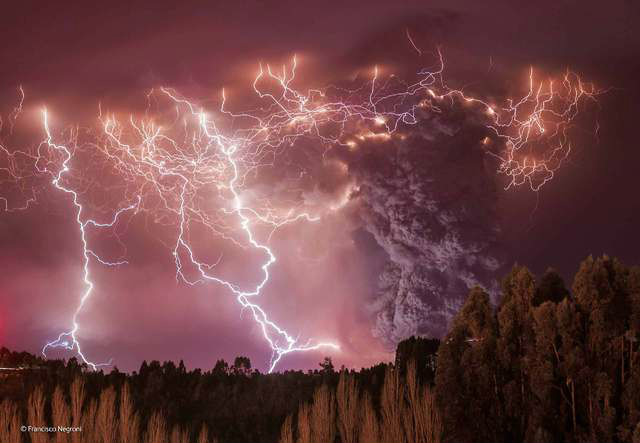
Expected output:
(429, 202)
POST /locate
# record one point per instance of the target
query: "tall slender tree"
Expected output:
(467, 389)
(600, 290)
(515, 348)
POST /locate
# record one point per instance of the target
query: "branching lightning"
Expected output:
(69, 340)
(194, 169)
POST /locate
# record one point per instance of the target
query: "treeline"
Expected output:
(234, 402)
(548, 365)
(545, 365)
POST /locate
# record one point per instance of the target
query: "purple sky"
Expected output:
(72, 56)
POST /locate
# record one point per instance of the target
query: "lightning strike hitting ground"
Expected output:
(68, 340)
(193, 169)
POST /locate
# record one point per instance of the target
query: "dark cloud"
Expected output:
(428, 197)
(416, 221)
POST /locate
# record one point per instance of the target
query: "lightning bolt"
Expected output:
(279, 340)
(69, 340)
(165, 175)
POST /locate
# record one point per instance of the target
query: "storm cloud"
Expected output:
(428, 198)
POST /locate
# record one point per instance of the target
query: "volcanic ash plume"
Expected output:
(427, 197)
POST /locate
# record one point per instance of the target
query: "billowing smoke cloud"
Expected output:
(428, 199)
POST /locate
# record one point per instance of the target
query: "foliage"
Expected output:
(547, 365)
